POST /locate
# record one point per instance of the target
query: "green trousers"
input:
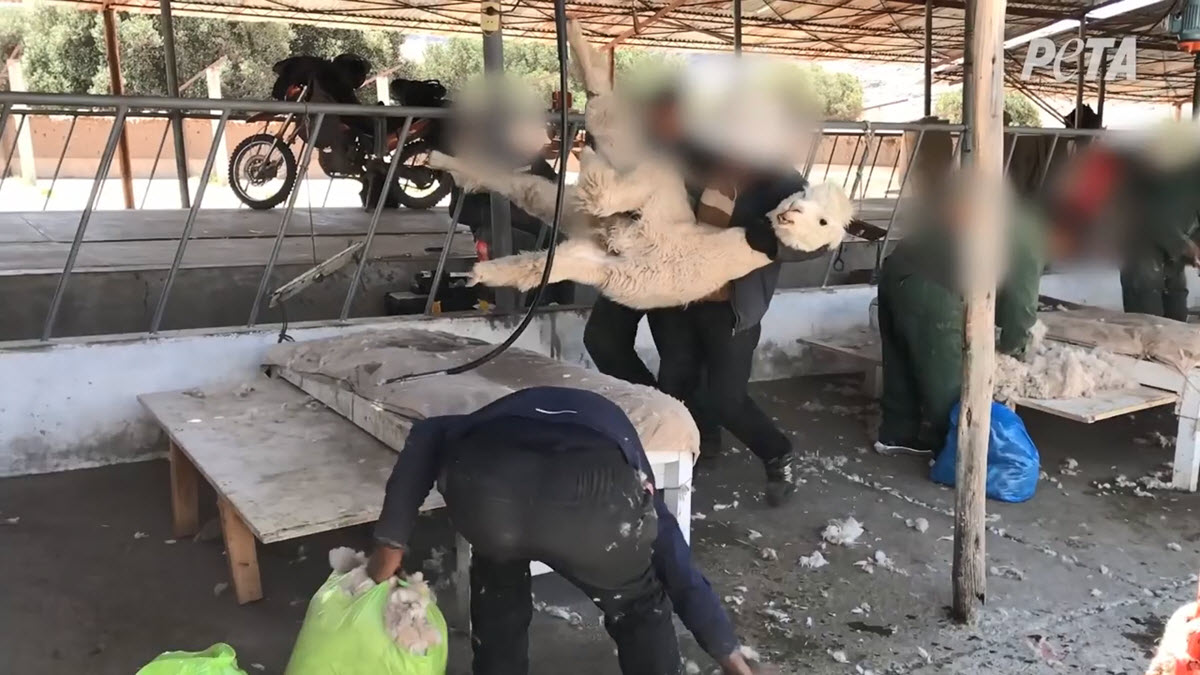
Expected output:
(921, 325)
(1153, 283)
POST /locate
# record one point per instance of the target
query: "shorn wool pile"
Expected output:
(406, 616)
(1056, 370)
(630, 229)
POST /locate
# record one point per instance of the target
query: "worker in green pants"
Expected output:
(1153, 282)
(921, 321)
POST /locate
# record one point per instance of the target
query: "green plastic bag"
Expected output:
(218, 659)
(345, 635)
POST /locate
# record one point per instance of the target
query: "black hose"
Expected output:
(560, 25)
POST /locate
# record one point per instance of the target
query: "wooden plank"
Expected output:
(863, 344)
(392, 429)
(185, 500)
(241, 553)
(290, 466)
(1104, 405)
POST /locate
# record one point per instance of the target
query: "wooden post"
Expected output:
(982, 240)
(185, 500)
(929, 59)
(1079, 76)
(25, 156)
(241, 553)
(117, 87)
(212, 78)
(381, 90)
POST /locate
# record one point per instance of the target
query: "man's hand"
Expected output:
(1192, 255)
(736, 664)
(383, 563)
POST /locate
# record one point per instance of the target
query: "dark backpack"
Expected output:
(418, 93)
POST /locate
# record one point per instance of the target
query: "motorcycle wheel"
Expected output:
(254, 167)
(420, 187)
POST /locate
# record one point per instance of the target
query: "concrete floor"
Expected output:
(85, 592)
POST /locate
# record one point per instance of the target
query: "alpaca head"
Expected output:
(813, 219)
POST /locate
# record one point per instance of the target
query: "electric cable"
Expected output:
(560, 25)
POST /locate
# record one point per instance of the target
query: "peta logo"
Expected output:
(1042, 54)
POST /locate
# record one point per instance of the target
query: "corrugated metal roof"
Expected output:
(877, 30)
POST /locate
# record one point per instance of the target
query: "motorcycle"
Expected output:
(263, 169)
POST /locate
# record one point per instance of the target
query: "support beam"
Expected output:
(639, 27)
(491, 23)
(981, 242)
(167, 28)
(737, 27)
(212, 78)
(1082, 65)
(1102, 86)
(117, 87)
(966, 147)
(929, 59)
(1196, 91)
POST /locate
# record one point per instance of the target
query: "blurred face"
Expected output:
(665, 123)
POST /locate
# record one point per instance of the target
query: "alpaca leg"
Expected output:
(591, 66)
(581, 261)
(534, 195)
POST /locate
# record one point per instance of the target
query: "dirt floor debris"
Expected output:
(814, 561)
(1069, 467)
(14, 520)
(879, 560)
(838, 655)
(919, 524)
(768, 554)
(722, 507)
(219, 588)
(843, 532)
(1174, 547)
(140, 535)
(1006, 572)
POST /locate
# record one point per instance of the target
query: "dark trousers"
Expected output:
(921, 328)
(580, 510)
(705, 362)
(1153, 283)
(609, 338)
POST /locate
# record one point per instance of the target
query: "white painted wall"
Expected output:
(72, 403)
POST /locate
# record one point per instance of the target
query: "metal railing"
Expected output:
(860, 172)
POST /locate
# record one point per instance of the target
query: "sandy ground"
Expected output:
(92, 582)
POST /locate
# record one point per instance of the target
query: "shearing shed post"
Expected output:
(980, 258)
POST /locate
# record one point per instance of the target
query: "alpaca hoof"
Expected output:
(439, 160)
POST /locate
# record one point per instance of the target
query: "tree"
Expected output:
(63, 54)
(1020, 109)
(457, 60)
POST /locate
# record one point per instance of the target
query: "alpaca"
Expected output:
(630, 229)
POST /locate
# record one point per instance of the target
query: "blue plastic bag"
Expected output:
(1013, 464)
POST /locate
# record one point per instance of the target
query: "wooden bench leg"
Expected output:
(185, 501)
(242, 555)
(873, 382)
(1186, 470)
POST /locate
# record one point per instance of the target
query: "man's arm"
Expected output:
(1017, 299)
(694, 600)
(412, 478)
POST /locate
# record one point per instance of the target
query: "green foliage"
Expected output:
(60, 50)
(64, 50)
(458, 60)
(1021, 111)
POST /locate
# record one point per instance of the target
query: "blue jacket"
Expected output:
(419, 465)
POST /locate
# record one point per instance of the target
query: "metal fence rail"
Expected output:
(875, 149)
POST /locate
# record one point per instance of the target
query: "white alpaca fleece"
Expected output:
(814, 218)
(630, 228)
(406, 615)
